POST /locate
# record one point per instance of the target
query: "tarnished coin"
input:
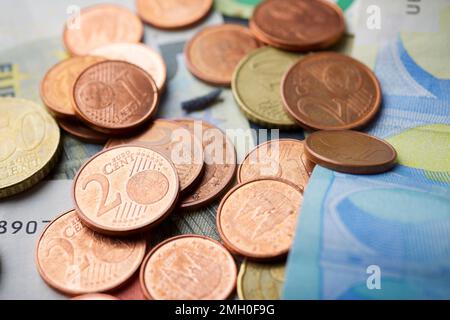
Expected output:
(173, 14)
(99, 25)
(350, 151)
(188, 267)
(57, 85)
(261, 71)
(29, 145)
(175, 142)
(220, 164)
(139, 54)
(125, 189)
(115, 96)
(257, 218)
(95, 296)
(80, 131)
(75, 260)
(282, 158)
(214, 52)
(330, 91)
(298, 25)
(260, 281)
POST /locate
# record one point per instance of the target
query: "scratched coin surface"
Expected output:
(29, 145)
(260, 281)
(330, 91)
(220, 164)
(298, 25)
(99, 25)
(57, 85)
(125, 189)
(350, 151)
(172, 14)
(75, 260)
(95, 296)
(283, 158)
(214, 52)
(115, 96)
(139, 54)
(175, 142)
(257, 218)
(261, 71)
(188, 267)
(82, 132)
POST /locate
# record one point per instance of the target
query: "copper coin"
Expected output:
(139, 54)
(188, 267)
(75, 260)
(125, 189)
(115, 96)
(350, 152)
(131, 290)
(175, 142)
(257, 218)
(57, 85)
(220, 164)
(330, 91)
(214, 52)
(298, 25)
(283, 158)
(80, 131)
(173, 14)
(99, 25)
(95, 296)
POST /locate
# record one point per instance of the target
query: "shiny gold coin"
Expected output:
(29, 140)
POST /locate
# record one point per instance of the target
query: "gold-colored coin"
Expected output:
(29, 140)
(260, 281)
(261, 71)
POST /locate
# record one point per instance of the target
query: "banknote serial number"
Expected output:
(20, 227)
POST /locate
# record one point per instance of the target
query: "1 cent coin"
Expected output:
(95, 296)
(76, 260)
(283, 158)
(173, 14)
(257, 218)
(298, 25)
(214, 52)
(330, 91)
(125, 189)
(57, 85)
(115, 96)
(82, 132)
(175, 142)
(350, 152)
(99, 25)
(188, 267)
(220, 164)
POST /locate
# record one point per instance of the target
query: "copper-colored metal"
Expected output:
(175, 142)
(115, 96)
(57, 85)
(80, 131)
(214, 52)
(220, 164)
(131, 290)
(350, 152)
(330, 91)
(281, 158)
(173, 14)
(139, 54)
(76, 260)
(257, 218)
(125, 189)
(188, 267)
(95, 296)
(298, 25)
(99, 25)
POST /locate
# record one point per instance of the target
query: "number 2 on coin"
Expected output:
(104, 184)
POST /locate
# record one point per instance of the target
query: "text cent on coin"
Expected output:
(115, 96)
(125, 189)
(257, 219)
(188, 267)
(76, 260)
(330, 91)
(350, 152)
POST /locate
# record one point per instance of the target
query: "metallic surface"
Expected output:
(82, 132)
